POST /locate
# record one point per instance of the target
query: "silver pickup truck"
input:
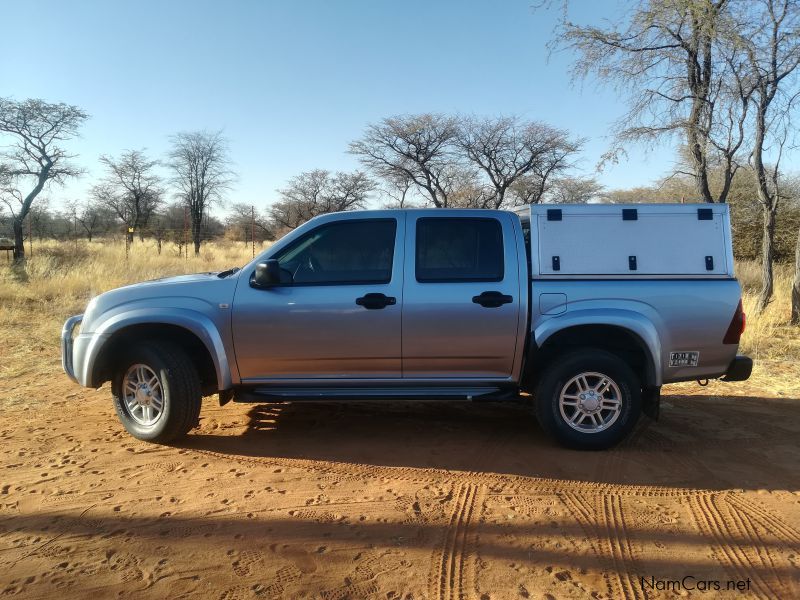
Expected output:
(583, 312)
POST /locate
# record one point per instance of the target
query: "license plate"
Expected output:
(683, 359)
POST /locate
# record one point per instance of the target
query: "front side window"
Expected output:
(459, 249)
(347, 252)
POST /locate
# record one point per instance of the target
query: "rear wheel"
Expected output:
(156, 392)
(588, 399)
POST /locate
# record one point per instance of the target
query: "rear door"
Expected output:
(461, 290)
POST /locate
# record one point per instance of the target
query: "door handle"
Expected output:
(492, 299)
(375, 301)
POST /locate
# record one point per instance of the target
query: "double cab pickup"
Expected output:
(581, 311)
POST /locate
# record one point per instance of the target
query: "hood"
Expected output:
(211, 275)
(200, 292)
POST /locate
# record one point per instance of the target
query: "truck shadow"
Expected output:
(707, 442)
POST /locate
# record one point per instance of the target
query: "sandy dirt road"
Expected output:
(396, 500)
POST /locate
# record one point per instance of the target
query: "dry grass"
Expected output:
(59, 279)
(65, 273)
(768, 336)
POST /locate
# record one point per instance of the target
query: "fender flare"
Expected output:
(633, 322)
(193, 321)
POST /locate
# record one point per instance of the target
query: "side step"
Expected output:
(311, 394)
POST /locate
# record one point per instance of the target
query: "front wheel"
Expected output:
(156, 392)
(588, 400)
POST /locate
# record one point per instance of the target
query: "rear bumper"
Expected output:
(66, 346)
(739, 369)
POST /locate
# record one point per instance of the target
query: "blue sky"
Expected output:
(291, 83)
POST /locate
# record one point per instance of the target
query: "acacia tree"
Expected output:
(201, 170)
(769, 34)
(170, 225)
(398, 188)
(131, 188)
(319, 192)
(671, 60)
(246, 223)
(505, 149)
(419, 148)
(574, 190)
(92, 217)
(35, 156)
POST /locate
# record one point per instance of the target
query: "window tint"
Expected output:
(459, 250)
(344, 252)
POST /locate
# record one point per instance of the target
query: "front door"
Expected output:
(461, 299)
(338, 314)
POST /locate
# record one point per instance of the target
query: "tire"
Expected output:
(599, 420)
(176, 396)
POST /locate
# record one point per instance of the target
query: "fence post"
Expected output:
(253, 228)
(185, 243)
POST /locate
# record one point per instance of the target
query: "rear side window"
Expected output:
(459, 249)
(346, 252)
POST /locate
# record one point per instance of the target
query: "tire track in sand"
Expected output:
(737, 543)
(609, 540)
(757, 524)
(341, 471)
(451, 569)
(620, 547)
(577, 506)
(782, 531)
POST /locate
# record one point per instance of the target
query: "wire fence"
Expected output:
(182, 237)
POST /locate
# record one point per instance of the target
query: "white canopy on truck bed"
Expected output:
(629, 240)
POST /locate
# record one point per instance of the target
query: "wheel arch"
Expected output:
(635, 342)
(195, 334)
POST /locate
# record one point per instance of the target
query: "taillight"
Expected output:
(736, 328)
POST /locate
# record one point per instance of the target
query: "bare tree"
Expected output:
(672, 61)
(245, 223)
(170, 225)
(318, 192)
(301, 200)
(131, 188)
(35, 156)
(528, 189)
(574, 190)
(397, 188)
(770, 36)
(507, 148)
(533, 186)
(468, 189)
(417, 147)
(40, 218)
(201, 171)
(93, 218)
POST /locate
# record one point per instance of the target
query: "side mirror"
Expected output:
(267, 274)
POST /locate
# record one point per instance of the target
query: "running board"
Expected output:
(310, 394)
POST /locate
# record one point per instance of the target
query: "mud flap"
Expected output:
(651, 402)
(225, 396)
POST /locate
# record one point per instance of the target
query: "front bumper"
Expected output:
(739, 369)
(66, 345)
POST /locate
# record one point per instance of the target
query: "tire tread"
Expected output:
(544, 398)
(185, 394)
